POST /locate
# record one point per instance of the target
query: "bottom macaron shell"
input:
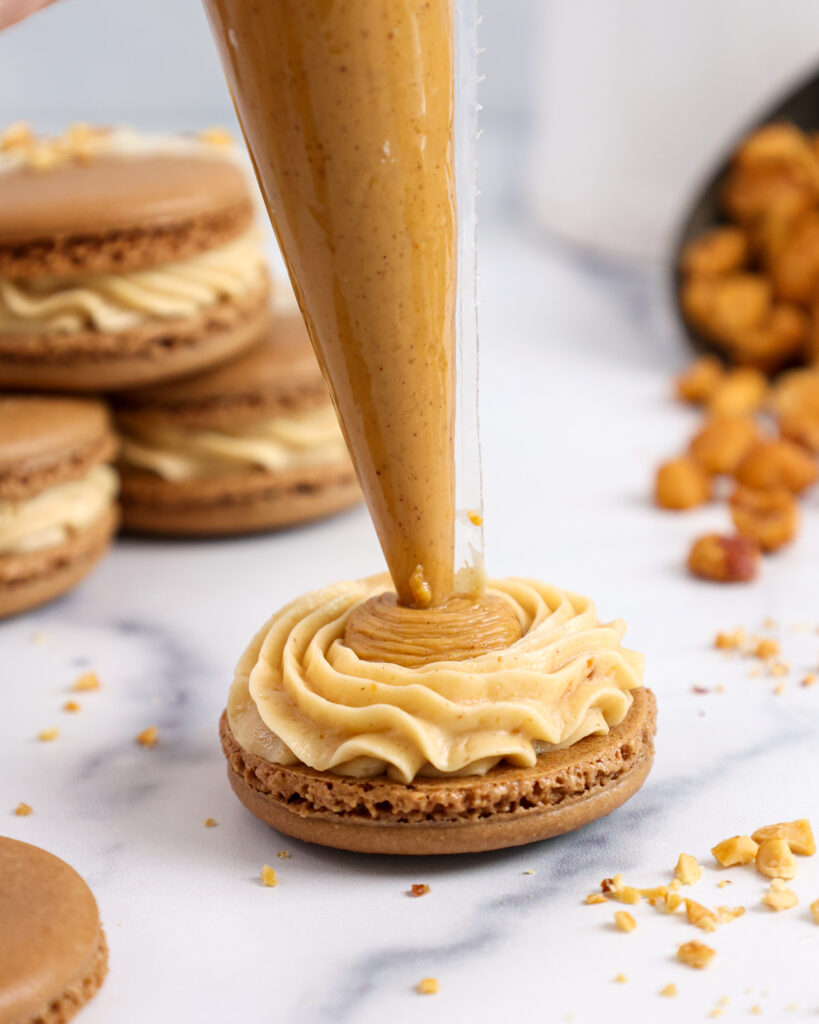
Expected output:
(33, 578)
(242, 503)
(83, 361)
(509, 806)
(80, 992)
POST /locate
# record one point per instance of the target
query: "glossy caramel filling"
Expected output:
(383, 630)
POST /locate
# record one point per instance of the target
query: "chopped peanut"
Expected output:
(596, 897)
(775, 860)
(771, 518)
(669, 990)
(777, 465)
(656, 892)
(722, 442)
(779, 896)
(427, 986)
(269, 876)
(283, 855)
(766, 648)
(23, 810)
(621, 979)
(72, 706)
(814, 909)
(668, 904)
(87, 681)
(698, 382)
(724, 559)
(695, 954)
(701, 916)
(741, 391)
(731, 641)
(687, 870)
(419, 889)
(797, 834)
(736, 850)
(727, 914)
(809, 679)
(618, 890)
(681, 484)
(624, 921)
(47, 735)
(210, 822)
(148, 737)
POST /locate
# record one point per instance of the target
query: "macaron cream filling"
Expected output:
(177, 454)
(301, 695)
(117, 302)
(57, 513)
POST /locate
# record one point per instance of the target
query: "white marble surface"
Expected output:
(576, 361)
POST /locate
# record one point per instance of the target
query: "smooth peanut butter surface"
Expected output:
(347, 107)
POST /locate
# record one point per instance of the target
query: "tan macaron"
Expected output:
(508, 806)
(249, 446)
(53, 954)
(123, 260)
(57, 496)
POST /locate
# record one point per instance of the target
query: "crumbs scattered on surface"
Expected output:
(624, 921)
(283, 855)
(48, 735)
(269, 876)
(87, 681)
(148, 737)
(23, 810)
(427, 986)
(419, 889)
(210, 823)
(72, 706)
(695, 954)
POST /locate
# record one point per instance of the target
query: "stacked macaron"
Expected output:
(132, 266)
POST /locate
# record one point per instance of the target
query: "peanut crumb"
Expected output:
(624, 921)
(695, 954)
(475, 518)
(148, 737)
(47, 735)
(797, 834)
(728, 914)
(23, 810)
(724, 1001)
(756, 1010)
(730, 641)
(770, 623)
(269, 876)
(779, 669)
(670, 991)
(210, 823)
(283, 855)
(779, 896)
(701, 916)
(419, 889)
(621, 979)
(687, 870)
(618, 890)
(809, 679)
(775, 859)
(814, 910)
(779, 689)
(716, 1012)
(723, 882)
(596, 897)
(427, 986)
(736, 850)
(72, 705)
(766, 648)
(87, 681)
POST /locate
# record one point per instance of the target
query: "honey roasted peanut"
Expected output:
(776, 464)
(681, 484)
(698, 382)
(724, 559)
(722, 441)
(771, 518)
(739, 393)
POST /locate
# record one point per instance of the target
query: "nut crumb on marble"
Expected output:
(814, 910)
(688, 870)
(731, 641)
(779, 669)
(701, 916)
(624, 921)
(766, 648)
(809, 679)
(723, 882)
(727, 914)
(797, 834)
(621, 979)
(148, 737)
(283, 855)
(427, 986)
(268, 876)
(39, 636)
(72, 706)
(779, 896)
(595, 897)
(87, 681)
(695, 954)
(775, 859)
(210, 822)
(670, 990)
(756, 1010)
(48, 735)
(418, 889)
(23, 810)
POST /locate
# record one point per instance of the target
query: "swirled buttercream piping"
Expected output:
(311, 438)
(300, 695)
(116, 302)
(56, 513)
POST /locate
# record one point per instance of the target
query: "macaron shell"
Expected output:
(92, 361)
(50, 935)
(277, 376)
(33, 578)
(113, 213)
(251, 502)
(564, 790)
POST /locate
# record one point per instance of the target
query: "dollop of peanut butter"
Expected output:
(381, 629)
